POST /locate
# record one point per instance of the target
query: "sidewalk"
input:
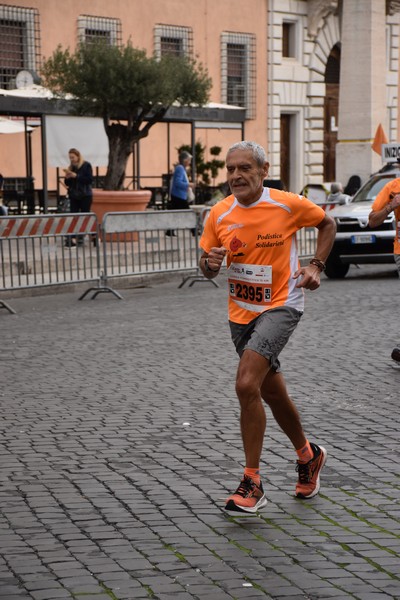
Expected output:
(120, 438)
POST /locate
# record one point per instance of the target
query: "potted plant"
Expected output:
(129, 90)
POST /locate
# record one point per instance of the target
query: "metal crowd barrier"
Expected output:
(150, 242)
(44, 250)
(202, 213)
(306, 242)
(48, 249)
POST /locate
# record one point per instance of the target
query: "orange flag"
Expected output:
(379, 139)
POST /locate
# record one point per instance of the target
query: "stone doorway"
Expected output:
(285, 150)
(331, 113)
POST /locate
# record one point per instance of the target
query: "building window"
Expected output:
(288, 40)
(19, 43)
(238, 71)
(174, 40)
(91, 29)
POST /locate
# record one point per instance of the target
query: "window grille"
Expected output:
(170, 39)
(92, 29)
(19, 42)
(238, 71)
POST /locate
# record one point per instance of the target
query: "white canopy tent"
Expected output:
(85, 133)
(12, 126)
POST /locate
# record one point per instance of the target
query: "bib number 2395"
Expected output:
(250, 285)
(249, 292)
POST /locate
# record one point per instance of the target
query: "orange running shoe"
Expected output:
(308, 484)
(248, 498)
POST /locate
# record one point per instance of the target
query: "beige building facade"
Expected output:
(316, 77)
(332, 78)
(229, 40)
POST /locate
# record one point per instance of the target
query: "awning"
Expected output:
(37, 100)
(11, 126)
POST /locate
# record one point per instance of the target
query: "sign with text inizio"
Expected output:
(390, 153)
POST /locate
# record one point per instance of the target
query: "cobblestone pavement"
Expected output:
(120, 438)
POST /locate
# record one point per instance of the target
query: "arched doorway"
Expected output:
(331, 112)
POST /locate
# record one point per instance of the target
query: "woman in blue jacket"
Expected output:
(180, 185)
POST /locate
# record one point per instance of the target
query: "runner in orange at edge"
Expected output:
(255, 229)
(387, 202)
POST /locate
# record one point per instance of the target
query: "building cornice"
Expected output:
(317, 11)
(392, 7)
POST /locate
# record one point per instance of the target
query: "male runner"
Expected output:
(255, 229)
(386, 202)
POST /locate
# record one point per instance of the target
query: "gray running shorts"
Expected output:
(267, 334)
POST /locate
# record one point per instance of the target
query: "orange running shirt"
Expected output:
(261, 249)
(383, 198)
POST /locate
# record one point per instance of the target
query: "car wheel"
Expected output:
(335, 269)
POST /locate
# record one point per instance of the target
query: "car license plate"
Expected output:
(363, 239)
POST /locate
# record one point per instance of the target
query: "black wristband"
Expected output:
(318, 263)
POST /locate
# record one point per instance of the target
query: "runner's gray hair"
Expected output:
(257, 151)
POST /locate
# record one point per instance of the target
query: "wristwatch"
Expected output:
(208, 268)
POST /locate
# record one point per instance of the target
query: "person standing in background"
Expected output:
(337, 196)
(3, 209)
(180, 186)
(79, 181)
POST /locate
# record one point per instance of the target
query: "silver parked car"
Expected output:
(356, 242)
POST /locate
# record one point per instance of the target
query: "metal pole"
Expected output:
(30, 154)
(138, 164)
(44, 164)
(58, 180)
(193, 135)
(28, 174)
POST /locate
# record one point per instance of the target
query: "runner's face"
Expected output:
(244, 176)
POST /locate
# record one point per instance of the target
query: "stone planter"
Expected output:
(105, 201)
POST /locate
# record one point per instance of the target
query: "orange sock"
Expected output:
(254, 474)
(305, 453)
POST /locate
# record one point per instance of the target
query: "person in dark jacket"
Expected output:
(79, 181)
(353, 185)
(3, 210)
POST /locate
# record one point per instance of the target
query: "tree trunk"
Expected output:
(120, 148)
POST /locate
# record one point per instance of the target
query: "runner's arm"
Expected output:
(377, 217)
(310, 275)
(326, 237)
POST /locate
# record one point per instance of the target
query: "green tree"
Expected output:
(127, 89)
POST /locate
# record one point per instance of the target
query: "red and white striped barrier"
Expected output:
(42, 250)
(35, 226)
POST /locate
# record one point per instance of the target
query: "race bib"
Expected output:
(250, 286)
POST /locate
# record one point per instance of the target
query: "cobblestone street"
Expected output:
(120, 439)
